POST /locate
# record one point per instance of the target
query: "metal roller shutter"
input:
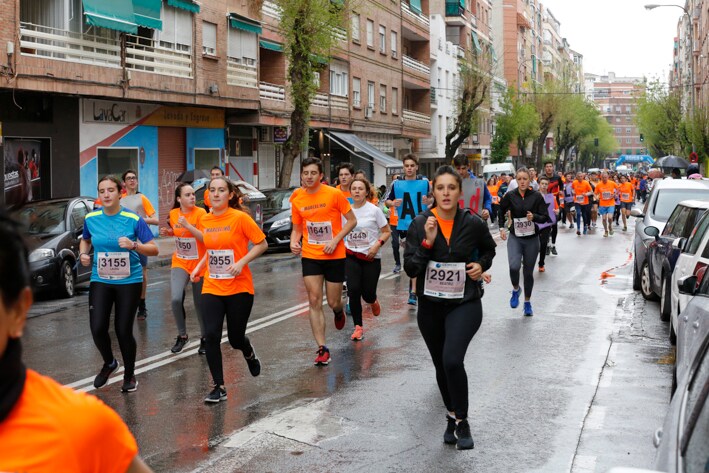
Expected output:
(171, 163)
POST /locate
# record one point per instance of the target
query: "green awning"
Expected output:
(462, 4)
(271, 46)
(319, 59)
(476, 41)
(246, 24)
(188, 5)
(416, 6)
(147, 13)
(116, 15)
(339, 3)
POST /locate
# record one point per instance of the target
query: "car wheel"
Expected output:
(646, 284)
(665, 301)
(673, 334)
(636, 278)
(66, 280)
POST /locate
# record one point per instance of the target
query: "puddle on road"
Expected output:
(617, 284)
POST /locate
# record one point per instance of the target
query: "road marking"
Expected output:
(596, 418)
(155, 283)
(584, 464)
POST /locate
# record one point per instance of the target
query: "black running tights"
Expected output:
(447, 331)
(543, 244)
(102, 298)
(519, 251)
(237, 309)
(362, 278)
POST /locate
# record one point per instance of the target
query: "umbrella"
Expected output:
(671, 162)
(192, 175)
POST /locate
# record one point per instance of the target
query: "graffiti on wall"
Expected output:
(166, 187)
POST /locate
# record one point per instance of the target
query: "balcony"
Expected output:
(273, 92)
(148, 55)
(427, 145)
(422, 20)
(53, 43)
(241, 75)
(419, 120)
(417, 66)
(270, 8)
(339, 33)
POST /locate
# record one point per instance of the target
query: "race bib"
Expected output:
(495, 199)
(186, 248)
(113, 265)
(580, 199)
(358, 238)
(219, 261)
(445, 280)
(523, 227)
(625, 196)
(605, 195)
(319, 233)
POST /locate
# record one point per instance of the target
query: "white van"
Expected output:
(499, 168)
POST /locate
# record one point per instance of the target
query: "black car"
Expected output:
(277, 217)
(53, 230)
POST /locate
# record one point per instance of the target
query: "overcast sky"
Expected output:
(619, 35)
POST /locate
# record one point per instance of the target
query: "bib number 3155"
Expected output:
(445, 280)
(219, 261)
(113, 265)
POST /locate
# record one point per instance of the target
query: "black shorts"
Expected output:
(332, 269)
(626, 205)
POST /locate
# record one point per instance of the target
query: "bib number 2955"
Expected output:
(219, 262)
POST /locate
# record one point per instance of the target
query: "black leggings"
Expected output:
(395, 242)
(362, 278)
(543, 244)
(583, 212)
(237, 309)
(102, 298)
(447, 331)
(521, 250)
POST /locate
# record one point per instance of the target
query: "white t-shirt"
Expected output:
(370, 219)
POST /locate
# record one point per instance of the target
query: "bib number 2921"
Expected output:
(445, 280)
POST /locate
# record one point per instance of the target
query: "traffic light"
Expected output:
(642, 138)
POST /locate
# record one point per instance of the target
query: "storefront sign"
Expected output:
(188, 117)
(280, 134)
(115, 113)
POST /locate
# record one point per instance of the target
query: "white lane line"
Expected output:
(596, 418)
(157, 283)
(584, 464)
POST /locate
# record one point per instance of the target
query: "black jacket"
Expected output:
(519, 206)
(470, 242)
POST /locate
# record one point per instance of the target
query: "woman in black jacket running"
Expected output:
(447, 251)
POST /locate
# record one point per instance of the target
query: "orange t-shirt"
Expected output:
(581, 188)
(626, 192)
(347, 194)
(188, 259)
(319, 214)
(446, 226)
(53, 428)
(494, 189)
(206, 198)
(228, 235)
(609, 190)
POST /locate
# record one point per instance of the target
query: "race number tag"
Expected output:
(605, 195)
(580, 199)
(219, 261)
(523, 227)
(625, 196)
(445, 280)
(113, 265)
(319, 233)
(186, 248)
(358, 238)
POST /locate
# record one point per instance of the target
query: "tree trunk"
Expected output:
(292, 148)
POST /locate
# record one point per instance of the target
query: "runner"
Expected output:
(317, 213)
(549, 230)
(642, 188)
(363, 247)
(493, 186)
(393, 222)
(345, 174)
(555, 181)
(214, 173)
(228, 288)
(605, 195)
(138, 203)
(593, 180)
(522, 208)
(374, 198)
(460, 162)
(582, 191)
(627, 198)
(440, 247)
(118, 237)
(43, 425)
(569, 208)
(183, 220)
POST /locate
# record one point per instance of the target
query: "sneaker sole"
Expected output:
(134, 389)
(109, 376)
(215, 401)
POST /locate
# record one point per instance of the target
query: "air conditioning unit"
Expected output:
(368, 112)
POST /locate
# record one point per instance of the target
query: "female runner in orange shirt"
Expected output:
(228, 288)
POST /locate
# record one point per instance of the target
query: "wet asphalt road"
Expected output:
(580, 387)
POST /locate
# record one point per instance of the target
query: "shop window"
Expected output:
(115, 161)
(206, 158)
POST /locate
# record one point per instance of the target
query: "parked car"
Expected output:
(53, 229)
(665, 196)
(253, 198)
(662, 254)
(693, 257)
(277, 217)
(694, 322)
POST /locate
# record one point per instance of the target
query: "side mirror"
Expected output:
(679, 244)
(652, 231)
(636, 213)
(687, 285)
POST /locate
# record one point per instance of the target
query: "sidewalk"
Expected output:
(166, 246)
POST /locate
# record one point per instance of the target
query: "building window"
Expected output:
(176, 31)
(394, 44)
(382, 39)
(382, 98)
(627, 130)
(617, 119)
(370, 95)
(355, 27)
(627, 108)
(628, 119)
(316, 81)
(448, 84)
(242, 47)
(394, 100)
(356, 92)
(617, 109)
(370, 33)
(441, 131)
(338, 79)
(209, 38)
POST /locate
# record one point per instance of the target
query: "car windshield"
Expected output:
(277, 201)
(43, 218)
(667, 200)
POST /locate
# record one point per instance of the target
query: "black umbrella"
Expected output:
(192, 175)
(671, 162)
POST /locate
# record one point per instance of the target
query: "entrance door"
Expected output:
(171, 163)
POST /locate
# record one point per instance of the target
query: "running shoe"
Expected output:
(528, 309)
(605, 234)
(376, 308)
(514, 300)
(202, 349)
(548, 250)
(348, 311)
(541, 268)
(449, 434)
(254, 363)
(413, 300)
(578, 232)
(358, 333)
(102, 378)
(571, 226)
(142, 313)
(217, 394)
(462, 433)
(553, 251)
(585, 230)
(397, 269)
(611, 231)
(340, 319)
(180, 343)
(323, 357)
(625, 229)
(130, 385)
